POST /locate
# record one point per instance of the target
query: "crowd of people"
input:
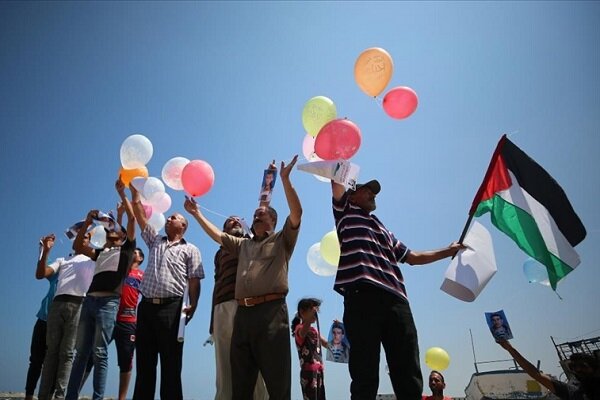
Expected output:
(94, 298)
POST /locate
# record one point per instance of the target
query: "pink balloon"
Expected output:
(308, 146)
(400, 102)
(147, 210)
(337, 139)
(197, 178)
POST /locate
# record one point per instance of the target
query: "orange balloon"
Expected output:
(127, 175)
(373, 70)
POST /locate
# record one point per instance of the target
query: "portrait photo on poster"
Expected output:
(499, 326)
(268, 183)
(338, 346)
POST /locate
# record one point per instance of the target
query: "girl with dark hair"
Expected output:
(308, 342)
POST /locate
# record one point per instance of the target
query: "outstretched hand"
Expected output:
(120, 186)
(190, 205)
(455, 247)
(286, 169)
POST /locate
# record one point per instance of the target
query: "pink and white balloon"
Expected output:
(157, 221)
(171, 172)
(136, 151)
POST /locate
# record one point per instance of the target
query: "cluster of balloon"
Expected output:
(136, 151)
(317, 263)
(437, 358)
(323, 257)
(327, 138)
(197, 178)
(373, 71)
(535, 272)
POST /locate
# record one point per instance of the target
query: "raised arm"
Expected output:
(211, 230)
(527, 366)
(290, 193)
(78, 245)
(43, 270)
(337, 190)
(138, 208)
(426, 257)
(120, 186)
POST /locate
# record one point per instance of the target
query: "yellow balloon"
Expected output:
(127, 175)
(317, 112)
(437, 358)
(330, 248)
(373, 70)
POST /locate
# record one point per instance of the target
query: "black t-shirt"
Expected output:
(112, 266)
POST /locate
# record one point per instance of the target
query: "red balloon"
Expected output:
(400, 102)
(197, 178)
(337, 139)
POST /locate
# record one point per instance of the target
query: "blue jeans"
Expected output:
(95, 332)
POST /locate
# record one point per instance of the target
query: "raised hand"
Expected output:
(47, 241)
(286, 169)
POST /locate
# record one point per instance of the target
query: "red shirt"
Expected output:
(129, 296)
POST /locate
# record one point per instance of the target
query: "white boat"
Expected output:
(515, 384)
(509, 384)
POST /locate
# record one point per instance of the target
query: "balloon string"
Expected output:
(212, 212)
(378, 101)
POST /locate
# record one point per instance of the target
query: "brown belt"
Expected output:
(253, 301)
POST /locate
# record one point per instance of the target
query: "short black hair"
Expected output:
(141, 254)
(439, 373)
(273, 213)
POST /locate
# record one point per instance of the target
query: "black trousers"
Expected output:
(375, 317)
(36, 356)
(156, 336)
(261, 341)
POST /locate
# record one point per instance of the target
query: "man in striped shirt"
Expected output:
(376, 309)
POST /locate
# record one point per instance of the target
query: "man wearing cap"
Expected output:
(260, 339)
(376, 309)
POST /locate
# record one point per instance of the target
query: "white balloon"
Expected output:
(153, 185)
(171, 172)
(156, 220)
(138, 183)
(317, 264)
(160, 202)
(315, 157)
(136, 151)
(98, 237)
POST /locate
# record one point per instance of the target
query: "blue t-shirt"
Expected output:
(43, 311)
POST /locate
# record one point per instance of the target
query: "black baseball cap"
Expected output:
(372, 184)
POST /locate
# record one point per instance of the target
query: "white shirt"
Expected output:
(75, 274)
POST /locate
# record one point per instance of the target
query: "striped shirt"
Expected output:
(170, 265)
(225, 274)
(369, 252)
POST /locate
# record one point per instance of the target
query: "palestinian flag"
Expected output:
(528, 205)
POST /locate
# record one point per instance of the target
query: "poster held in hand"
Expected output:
(183, 316)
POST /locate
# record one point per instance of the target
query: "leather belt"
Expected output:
(253, 301)
(160, 300)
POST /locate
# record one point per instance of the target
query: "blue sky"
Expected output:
(226, 82)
